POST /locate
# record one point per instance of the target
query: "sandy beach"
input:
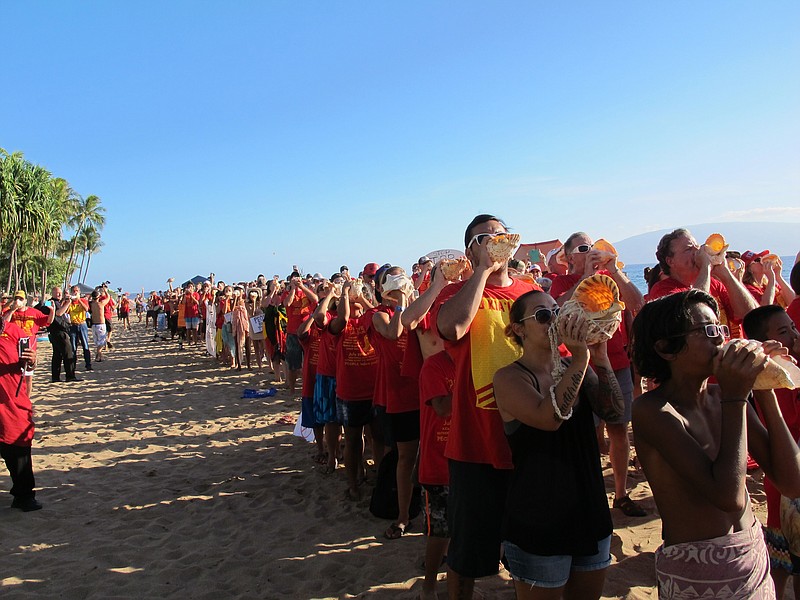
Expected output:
(159, 480)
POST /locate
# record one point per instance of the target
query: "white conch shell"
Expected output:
(398, 282)
(780, 373)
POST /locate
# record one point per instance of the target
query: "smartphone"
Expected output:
(24, 344)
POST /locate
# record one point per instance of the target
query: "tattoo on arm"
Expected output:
(607, 399)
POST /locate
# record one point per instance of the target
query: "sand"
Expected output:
(159, 481)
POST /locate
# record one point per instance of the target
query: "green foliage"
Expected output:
(37, 211)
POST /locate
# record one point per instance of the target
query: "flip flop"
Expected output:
(396, 530)
(629, 508)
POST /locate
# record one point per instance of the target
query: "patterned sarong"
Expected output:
(732, 566)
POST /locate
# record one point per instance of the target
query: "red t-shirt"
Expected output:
(356, 363)
(29, 320)
(668, 286)
(310, 344)
(435, 380)
(125, 305)
(191, 303)
(327, 350)
(16, 412)
(397, 393)
(617, 345)
(476, 429)
(108, 309)
(298, 311)
(793, 310)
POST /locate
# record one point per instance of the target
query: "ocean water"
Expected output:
(635, 272)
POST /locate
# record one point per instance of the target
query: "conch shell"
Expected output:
(715, 247)
(770, 259)
(781, 372)
(356, 288)
(399, 282)
(597, 297)
(501, 247)
(605, 246)
(453, 268)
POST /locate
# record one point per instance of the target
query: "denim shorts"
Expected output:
(192, 322)
(553, 571)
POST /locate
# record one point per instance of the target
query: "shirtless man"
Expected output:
(97, 307)
(692, 439)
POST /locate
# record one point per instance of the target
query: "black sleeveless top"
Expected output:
(556, 502)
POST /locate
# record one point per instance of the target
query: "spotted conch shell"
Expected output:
(501, 247)
(597, 297)
(781, 372)
(453, 268)
(715, 247)
(604, 246)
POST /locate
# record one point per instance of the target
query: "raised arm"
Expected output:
(742, 301)
(417, 310)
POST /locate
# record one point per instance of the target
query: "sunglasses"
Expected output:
(542, 315)
(479, 237)
(711, 331)
(582, 249)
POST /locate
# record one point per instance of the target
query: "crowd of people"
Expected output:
(448, 374)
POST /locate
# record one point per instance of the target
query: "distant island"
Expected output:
(781, 238)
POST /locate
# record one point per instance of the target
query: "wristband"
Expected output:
(398, 308)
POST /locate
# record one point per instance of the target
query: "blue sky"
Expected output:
(245, 137)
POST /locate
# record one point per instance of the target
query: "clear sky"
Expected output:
(244, 137)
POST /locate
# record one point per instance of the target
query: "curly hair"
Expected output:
(663, 251)
(664, 322)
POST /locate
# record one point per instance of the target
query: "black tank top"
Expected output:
(557, 502)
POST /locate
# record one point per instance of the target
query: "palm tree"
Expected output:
(92, 245)
(87, 211)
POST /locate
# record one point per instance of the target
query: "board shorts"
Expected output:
(192, 322)
(434, 508)
(325, 399)
(99, 335)
(354, 413)
(294, 352)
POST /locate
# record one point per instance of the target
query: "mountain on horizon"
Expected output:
(781, 238)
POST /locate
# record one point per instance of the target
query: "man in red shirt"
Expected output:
(191, 313)
(16, 417)
(471, 317)
(687, 266)
(108, 312)
(584, 261)
(299, 301)
(29, 320)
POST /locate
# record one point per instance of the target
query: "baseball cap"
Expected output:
(20, 294)
(370, 269)
(750, 256)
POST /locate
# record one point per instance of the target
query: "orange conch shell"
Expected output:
(715, 247)
(770, 259)
(453, 268)
(597, 297)
(605, 246)
(501, 247)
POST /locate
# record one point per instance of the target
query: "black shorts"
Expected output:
(108, 326)
(404, 426)
(355, 413)
(475, 507)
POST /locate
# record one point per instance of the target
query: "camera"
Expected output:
(23, 345)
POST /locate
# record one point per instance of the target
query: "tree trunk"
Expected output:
(87, 267)
(12, 261)
(68, 274)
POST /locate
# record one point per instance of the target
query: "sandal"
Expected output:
(629, 508)
(396, 530)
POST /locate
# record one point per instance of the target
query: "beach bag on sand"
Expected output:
(383, 503)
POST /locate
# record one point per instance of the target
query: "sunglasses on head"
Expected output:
(542, 315)
(480, 237)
